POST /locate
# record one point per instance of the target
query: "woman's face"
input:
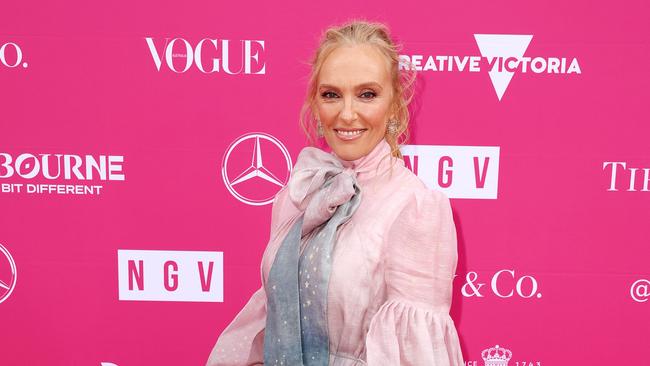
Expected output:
(353, 100)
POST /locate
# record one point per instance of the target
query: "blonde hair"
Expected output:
(361, 32)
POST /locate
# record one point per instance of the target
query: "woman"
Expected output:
(361, 258)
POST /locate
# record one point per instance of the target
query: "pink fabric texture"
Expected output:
(391, 283)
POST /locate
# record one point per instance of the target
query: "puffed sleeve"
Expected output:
(242, 342)
(413, 327)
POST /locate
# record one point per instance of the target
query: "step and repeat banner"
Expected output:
(141, 145)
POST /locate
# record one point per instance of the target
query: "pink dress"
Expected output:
(390, 288)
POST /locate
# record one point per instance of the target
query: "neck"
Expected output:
(377, 162)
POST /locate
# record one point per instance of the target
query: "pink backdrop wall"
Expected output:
(532, 183)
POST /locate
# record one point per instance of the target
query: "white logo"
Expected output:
(458, 171)
(59, 167)
(7, 274)
(162, 275)
(108, 364)
(510, 48)
(500, 356)
(248, 59)
(504, 284)
(17, 55)
(640, 290)
(244, 161)
(501, 54)
(28, 166)
(631, 172)
(496, 356)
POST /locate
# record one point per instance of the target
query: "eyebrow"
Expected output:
(369, 84)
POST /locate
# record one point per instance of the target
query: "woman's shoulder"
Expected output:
(406, 199)
(424, 214)
(414, 190)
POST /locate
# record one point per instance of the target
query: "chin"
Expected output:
(349, 152)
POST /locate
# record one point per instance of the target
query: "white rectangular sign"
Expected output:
(458, 171)
(165, 275)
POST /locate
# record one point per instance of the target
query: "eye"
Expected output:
(368, 94)
(329, 95)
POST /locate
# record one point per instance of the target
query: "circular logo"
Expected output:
(640, 290)
(7, 274)
(255, 167)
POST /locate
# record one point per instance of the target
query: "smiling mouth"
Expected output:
(349, 134)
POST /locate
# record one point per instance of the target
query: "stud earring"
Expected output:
(392, 126)
(319, 127)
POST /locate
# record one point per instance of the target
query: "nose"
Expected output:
(348, 113)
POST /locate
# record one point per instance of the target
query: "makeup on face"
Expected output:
(353, 100)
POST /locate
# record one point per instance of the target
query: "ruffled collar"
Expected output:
(322, 181)
(377, 162)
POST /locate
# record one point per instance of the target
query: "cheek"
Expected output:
(375, 115)
(327, 112)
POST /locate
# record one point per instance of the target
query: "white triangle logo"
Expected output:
(504, 46)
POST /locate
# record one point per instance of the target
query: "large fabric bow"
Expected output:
(296, 324)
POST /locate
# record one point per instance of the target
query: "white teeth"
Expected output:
(349, 133)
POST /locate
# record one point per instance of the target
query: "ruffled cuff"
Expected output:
(242, 342)
(403, 333)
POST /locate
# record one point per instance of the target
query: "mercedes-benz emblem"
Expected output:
(7, 274)
(250, 178)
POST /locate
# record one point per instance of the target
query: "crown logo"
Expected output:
(496, 356)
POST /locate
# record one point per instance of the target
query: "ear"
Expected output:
(315, 113)
(392, 115)
(393, 108)
(313, 109)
